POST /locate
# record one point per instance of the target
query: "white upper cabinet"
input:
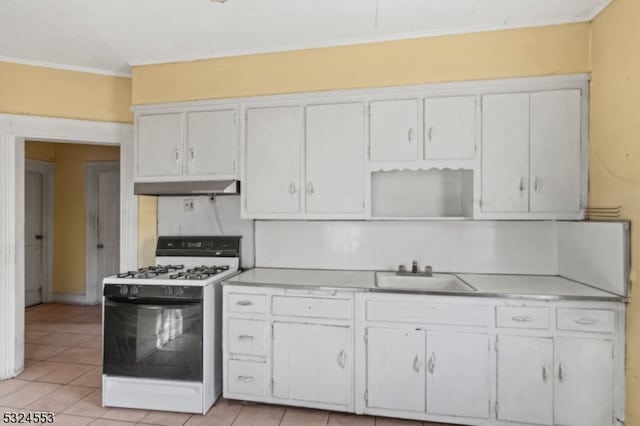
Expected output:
(450, 128)
(159, 145)
(187, 144)
(555, 151)
(335, 158)
(272, 160)
(532, 155)
(211, 142)
(393, 130)
(505, 153)
(458, 364)
(396, 369)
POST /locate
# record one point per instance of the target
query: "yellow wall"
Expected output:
(615, 148)
(69, 261)
(147, 230)
(560, 49)
(31, 90)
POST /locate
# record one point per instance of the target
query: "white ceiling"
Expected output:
(108, 36)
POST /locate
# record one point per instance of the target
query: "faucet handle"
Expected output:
(401, 268)
(414, 266)
(428, 269)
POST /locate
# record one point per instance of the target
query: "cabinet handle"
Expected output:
(585, 321)
(521, 186)
(537, 184)
(561, 372)
(431, 365)
(545, 375)
(342, 359)
(244, 302)
(192, 153)
(175, 154)
(292, 189)
(247, 378)
(310, 190)
(522, 319)
(410, 135)
(429, 132)
(246, 338)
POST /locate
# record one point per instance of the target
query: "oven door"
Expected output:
(153, 339)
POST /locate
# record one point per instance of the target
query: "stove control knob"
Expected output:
(168, 291)
(179, 291)
(134, 290)
(124, 289)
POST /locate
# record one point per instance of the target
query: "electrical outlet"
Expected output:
(188, 205)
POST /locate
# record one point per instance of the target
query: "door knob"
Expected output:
(100, 245)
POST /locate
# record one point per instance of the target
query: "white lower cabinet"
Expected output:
(312, 362)
(395, 369)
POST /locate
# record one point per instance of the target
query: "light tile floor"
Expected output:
(63, 375)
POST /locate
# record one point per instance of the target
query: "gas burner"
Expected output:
(199, 273)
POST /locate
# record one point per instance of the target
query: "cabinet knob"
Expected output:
(292, 189)
(410, 135)
(537, 184)
(561, 372)
(192, 153)
(521, 186)
(545, 376)
(310, 189)
(429, 133)
(176, 155)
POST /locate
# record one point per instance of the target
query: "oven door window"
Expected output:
(153, 339)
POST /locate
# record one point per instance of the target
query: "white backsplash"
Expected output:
(219, 217)
(467, 246)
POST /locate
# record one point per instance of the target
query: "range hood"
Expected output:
(200, 187)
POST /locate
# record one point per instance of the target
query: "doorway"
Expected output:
(103, 225)
(38, 239)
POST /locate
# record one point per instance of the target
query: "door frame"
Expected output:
(47, 171)
(14, 130)
(94, 168)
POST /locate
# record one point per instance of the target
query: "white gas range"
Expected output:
(162, 327)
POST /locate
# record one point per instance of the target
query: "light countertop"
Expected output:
(486, 285)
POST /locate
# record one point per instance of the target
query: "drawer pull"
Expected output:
(342, 359)
(585, 321)
(246, 338)
(522, 319)
(247, 378)
(244, 302)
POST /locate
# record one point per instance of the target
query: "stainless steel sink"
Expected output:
(436, 282)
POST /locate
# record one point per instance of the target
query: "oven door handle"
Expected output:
(151, 305)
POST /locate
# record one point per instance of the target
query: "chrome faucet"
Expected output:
(402, 270)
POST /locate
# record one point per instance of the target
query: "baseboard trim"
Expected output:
(71, 299)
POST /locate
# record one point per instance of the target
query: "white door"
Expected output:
(525, 379)
(583, 382)
(273, 157)
(313, 363)
(393, 128)
(335, 158)
(34, 268)
(159, 145)
(450, 127)
(505, 153)
(395, 369)
(458, 364)
(211, 142)
(555, 151)
(108, 218)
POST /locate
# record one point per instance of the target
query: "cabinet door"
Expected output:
(395, 369)
(583, 382)
(450, 127)
(525, 379)
(555, 151)
(313, 363)
(458, 364)
(335, 158)
(505, 153)
(211, 142)
(393, 130)
(159, 145)
(273, 146)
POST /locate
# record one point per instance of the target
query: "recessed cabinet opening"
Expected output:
(422, 194)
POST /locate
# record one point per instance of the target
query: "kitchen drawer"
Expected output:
(246, 378)
(522, 317)
(592, 320)
(247, 303)
(431, 313)
(312, 307)
(246, 337)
